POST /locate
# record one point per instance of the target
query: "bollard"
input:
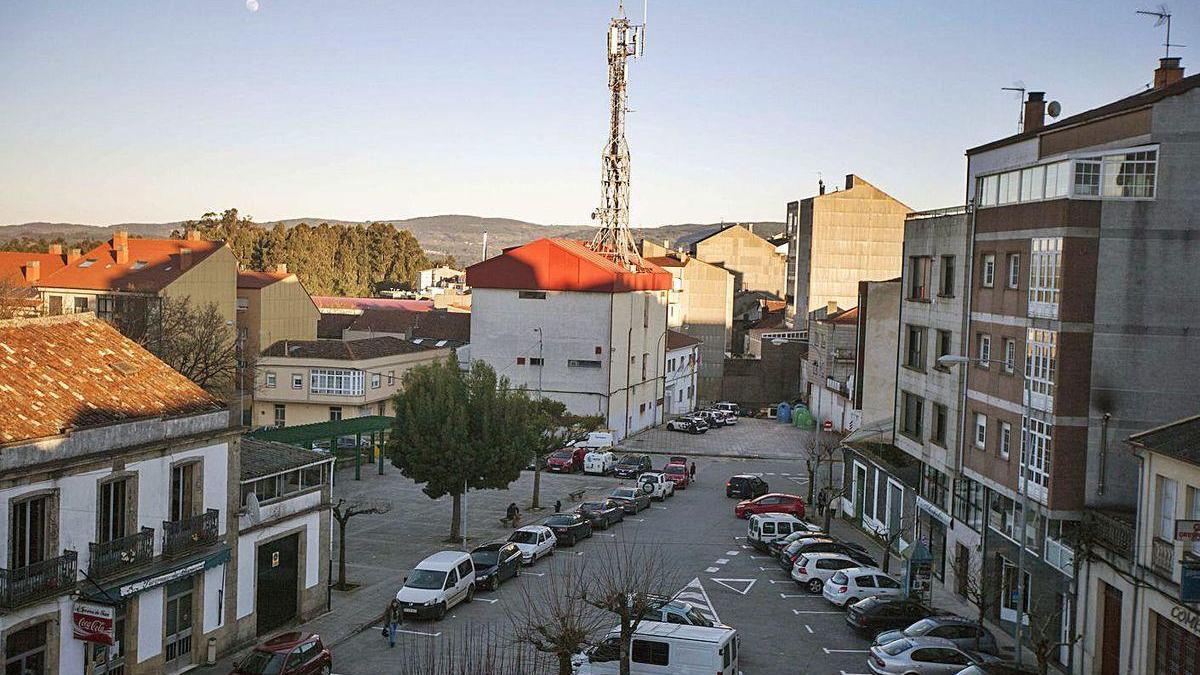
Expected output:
(211, 656)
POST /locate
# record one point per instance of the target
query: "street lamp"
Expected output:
(948, 360)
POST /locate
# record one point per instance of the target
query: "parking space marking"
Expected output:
(730, 584)
(695, 594)
(817, 611)
(845, 673)
(732, 552)
(827, 650)
(713, 570)
(808, 628)
(536, 574)
(722, 561)
(781, 581)
(760, 557)
(800, 595)
(490, 600)
(412, 632)
(637, 520)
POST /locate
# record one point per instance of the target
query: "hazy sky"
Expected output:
(124, 111)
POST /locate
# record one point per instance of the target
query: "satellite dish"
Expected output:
(252, 510)
(1054, 109)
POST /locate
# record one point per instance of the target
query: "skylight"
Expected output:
(87, 263)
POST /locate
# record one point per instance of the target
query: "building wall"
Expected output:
(213, 279)
(706, 313)
(773, 378)
(280, 311)
(751, 260)
(875, 388)
(682, 381)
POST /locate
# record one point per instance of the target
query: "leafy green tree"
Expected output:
(555, 427)
(456, 431)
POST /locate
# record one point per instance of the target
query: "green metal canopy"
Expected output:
(375, 428)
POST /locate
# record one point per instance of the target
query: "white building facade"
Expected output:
(682, 374)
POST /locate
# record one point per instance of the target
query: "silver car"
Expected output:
(924, 656)
(960, 631)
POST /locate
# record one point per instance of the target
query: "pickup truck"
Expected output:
(656, 485)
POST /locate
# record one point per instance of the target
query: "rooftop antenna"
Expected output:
(1163, 17)
(1018, 87)
(625, 40)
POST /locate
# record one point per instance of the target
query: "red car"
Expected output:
(292, 653)
(678, 474)
(772, 502)
(567, 460)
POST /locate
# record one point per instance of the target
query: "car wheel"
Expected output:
(495, 583)
(590, 533)
(848, 602)
(470, 593)
(815, 586)
(440, 613)
(326, 669)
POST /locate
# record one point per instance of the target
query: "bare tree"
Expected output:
(1045, 635)
(194, 340)
(473, 649)
(974, 588)
(888, 538)
(553, 618)
(629, 580)
(17, 299)
(832, 493)
(820, 449)
(343, 511)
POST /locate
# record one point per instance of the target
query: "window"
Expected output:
(269, 379)
(985, 349)
(1087, 177)
(646, 311)
(25, 650)
(1033, 183)
(935, 487)
(1035, 460)
(106, 306)
(1010, 355)
(1040, 364)
(1005, 439)
(940, 420)
(336, 382)
(243, 304)
(912, 415)
(183, 491)
(1009, 187)
(1193, 513)
(375, 380)
(943, 347)
(980, 431)
(645, 361)
(113, 508)
(987, 270)
(582, 363)
(391, 375)
(651, 652)
(335, 413)
(946, 288)
(531, 295)
(297, 381)
(914, 354)
(1045, 264)
(81, 305)
(520, 360)
(1008, 599)
(1014, 270)
(920, 268)
(1058, 178)
(535, 361)
(968, 503)
(29, 532)
(989, 190)
(1129, 174)
(280, 415)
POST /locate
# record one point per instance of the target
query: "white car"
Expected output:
(657, 485)
(812, 570)
(535, 541)
(438, 583)
(852, 584)
(731, 408)
(727, 418)
(600, 462)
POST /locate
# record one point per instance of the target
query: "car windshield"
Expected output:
(676, 469)
(920, 628)
(485, 558)
(627, 459)
(562, 455)
(698, 619)
(896, 647)
(262, 663)
(523, 537)
(426, 579)
(560, 521)
(625, 493)
(591, 506)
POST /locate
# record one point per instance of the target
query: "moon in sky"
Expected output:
(252, 5)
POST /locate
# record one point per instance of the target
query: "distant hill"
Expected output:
(457, 235)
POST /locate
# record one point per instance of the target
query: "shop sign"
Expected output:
(93, 622)
(1187, 530)
(145, 584)
(926, 506)
(1187, 618)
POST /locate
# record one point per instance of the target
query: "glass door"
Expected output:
(178, 638)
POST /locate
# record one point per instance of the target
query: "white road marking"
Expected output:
(808, 628)
(845, 673)
(637, 520)
(802, 596)
(780, 581)
(760, 557)
(712, 570)
(489, 600)
(784, 473)
(739, 537)
(695, 594)
(816, 611)
(536, 574)
(731, 584)
(770, 569)
(416, 632)
(732, 552)
(607, 534)
(769, 473)
(722, 561)
(845, 651)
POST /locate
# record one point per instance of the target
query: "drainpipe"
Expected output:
(1102, 470)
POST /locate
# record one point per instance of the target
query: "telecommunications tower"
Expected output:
(625, 41)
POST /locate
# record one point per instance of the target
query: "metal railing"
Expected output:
(1162, 557)
(181, 536)
(1111, 532)
(48, 578)
(121, 554)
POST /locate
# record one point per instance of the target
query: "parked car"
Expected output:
(813, 532)
(535, 541)
(701, 423)
(874, 615)
(923, 656)
(632, 465)
(677, 459)
(569, 528)
(998, 668)
(686, 424)
(812, 570)
(495, 562)
(632, 500)
(772, 502)
(595, 440)
(436, 584)
(599, 462)
(567, 460)
(965, 633)
(657, 485)
(765, 528)
(727, 418)
(712, 419)
(678, 474)
(746, 486)
(603, 514)
(850, 585)
(676, 611)
(726, 406)
(668, 648)
(292, 653)
(848, 549)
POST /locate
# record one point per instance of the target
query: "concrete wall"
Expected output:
(771, 379)
(281, 311)
(705, 302)
(877, 349)
(751, 259)
(212, 280)
(682, 381)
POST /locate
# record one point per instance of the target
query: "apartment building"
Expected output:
(273, 306)
(1084, 292)
(682, 377)
(20, 272)
(838, 239)
(118, 517)
(828, 371)
(556, 317)
(752, 260)
(308, 381)
(700, 303)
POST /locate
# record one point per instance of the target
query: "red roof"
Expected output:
(13, 263)
(677, 340)
(843, 317)
(254, 279)
(326, 302)
(665, 261)
(563, 265)
(152, 265)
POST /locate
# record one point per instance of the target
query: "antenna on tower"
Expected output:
(626, 40)
(1163, 17)
(1019, 87)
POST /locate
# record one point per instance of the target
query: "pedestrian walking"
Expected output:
(513, 514)
(822, 501)
(558, 506)
(692, 471)
(392, 617)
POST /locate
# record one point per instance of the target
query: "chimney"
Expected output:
(185, 258)
(1035, 111)
(33, 271)
(1168, 72)
(122, 254)
(667, 244)
(849, 181)
(831, 308)
(73, 255)
(821, 186)
(750, 226)
(192, 235)
(120, 238)
(54, 249)
(281, 268)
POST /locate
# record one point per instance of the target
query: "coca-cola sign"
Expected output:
(93, 622)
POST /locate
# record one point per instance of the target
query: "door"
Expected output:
(177, 640)
(860, 492)
(962, 569)
(56, 305)
(277, 583)
(451, 589)
(1110, 640)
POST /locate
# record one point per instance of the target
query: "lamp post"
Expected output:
(1023, 494)
(541, 360)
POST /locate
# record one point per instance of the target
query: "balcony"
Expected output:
(1112, 530)
(189, 534)
(48, 578)
(844, 355)
(122, 554)
(1162, 557)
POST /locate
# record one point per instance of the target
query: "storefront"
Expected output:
(1176, 642)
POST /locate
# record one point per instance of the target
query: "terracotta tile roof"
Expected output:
(330, 326)
(666, 261)
(677, 340)
(441, 325)
(75, 372)
(13, 265)
(563, 265)
(1179, 439)
(255, 279)
(326, 302)
(775, 305)
(843, 317)
(152, 265)
(397, 321)
(264, 458)
(343, 350)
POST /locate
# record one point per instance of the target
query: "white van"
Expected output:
(600, 462)
(765, 528)
(438, 583)
(667, 648)
(597, 439)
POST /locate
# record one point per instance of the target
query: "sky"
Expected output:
(152, 111)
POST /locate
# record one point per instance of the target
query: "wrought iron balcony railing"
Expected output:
(1162, 557)
(48, 578)
(121, 554)
(182, 536)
